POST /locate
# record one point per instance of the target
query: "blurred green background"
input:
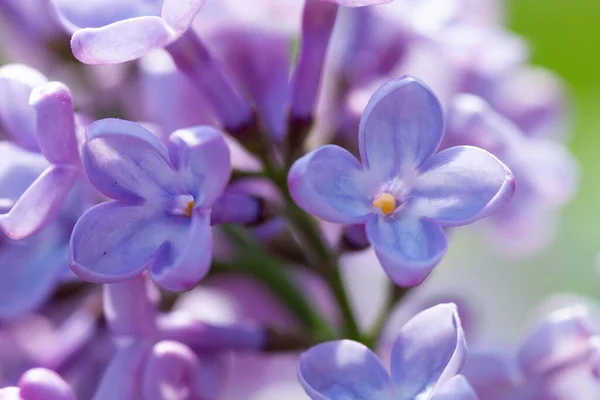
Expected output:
(565, 37)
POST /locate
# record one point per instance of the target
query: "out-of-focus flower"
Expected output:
(546, 173)
(403, 191)
(159, 218)
(552, 362)
(39, 383)
(425, 361)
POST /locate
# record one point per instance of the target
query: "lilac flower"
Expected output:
(41, 203)
(403, 192)
(426, 358)
(39, 383)
(159, 218)
(560, 351)
(171, 350)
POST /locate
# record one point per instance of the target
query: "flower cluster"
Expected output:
(186, 187)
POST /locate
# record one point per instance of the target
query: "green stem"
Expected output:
(266, 269)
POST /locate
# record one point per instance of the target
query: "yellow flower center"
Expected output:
(189, 208)
(385, 202)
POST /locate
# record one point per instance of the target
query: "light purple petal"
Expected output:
(121, 41)
(30, 272)
(493, 372)
(130, 306)
(561, 340)
(343, 369)
(179, 14)
(126, 162)
(18, 170)
(201, 156)
(16, 116)
(331, 184)
(122, 378)
(170, 372)
(40, 204)
(112, 241)
(10, 393)
(457, 388)
(184, 259)
(358, 3)
(407, 248)
(460, 185)
(55, 123)
(40, 383)
(96, 13)
(400, 128)
(429, 351)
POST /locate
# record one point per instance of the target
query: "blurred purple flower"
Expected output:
(39, 383)
(403, 191)
(425, 361)
(554, 356)
(159, 218)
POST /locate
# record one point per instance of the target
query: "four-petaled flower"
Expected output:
(159, 218)
(425, 361)
(403, 192)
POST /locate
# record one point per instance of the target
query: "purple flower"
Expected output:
(41, 203)
(159, 218)
(358, 3)
(39, 383)
(557, 354)
(403, 192)
(426, 358)
(116, 31)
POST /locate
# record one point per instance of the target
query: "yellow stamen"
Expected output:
(386, 203)
(189, 208)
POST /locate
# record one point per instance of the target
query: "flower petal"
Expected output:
(493, 372)
(563, 339)
(18, 170)
(179, 14)
(96, 13)
(126, 162)
(407, 248)
(16, 116)
(55, 123)
(460, 185)
(456, 388)
(358, 3)
(39, 257)
(343, 369)
(122, 378)
(400, 128)
(113, 241)
(184, 259)
(41, 383)
(121, 41)
(40, 204)
(331, 184)
(201, 156)
(130, 306)
(429, 350)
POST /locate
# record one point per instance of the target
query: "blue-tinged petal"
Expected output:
(170, 372)
(428, 352)
(124, 161)
(407, 248)
(121, 41)
(123, 376)
(201, 157)
(460, 185)
(16, 116)
(493, 372)
(55, 123)
(330, 183)
(343, 369)
(75, 15)
(18, 170)
(457, 388)
(40, 204)
(184, 258)
(179, 14)
(113, 241)
(41, 383)
(401, 127)
(30, 270)
(130, 306)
